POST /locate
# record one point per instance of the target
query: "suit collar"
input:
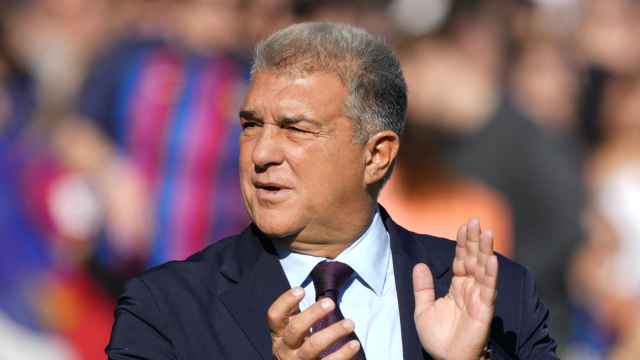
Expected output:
(403, 242)
(407, 252)
(253, 266)
(244, 253)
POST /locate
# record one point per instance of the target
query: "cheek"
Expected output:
(349, 170)
(245, 166)
(309, 165)
(328, 172)
(244, 156)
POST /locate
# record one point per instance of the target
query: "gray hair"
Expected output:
(369, 70)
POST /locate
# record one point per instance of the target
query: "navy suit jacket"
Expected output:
(214, 304)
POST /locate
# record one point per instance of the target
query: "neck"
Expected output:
(329, 243)
(329, 251)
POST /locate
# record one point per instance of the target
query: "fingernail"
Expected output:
(326, 304)
(354, 344)
(348, 325)
(297, 291)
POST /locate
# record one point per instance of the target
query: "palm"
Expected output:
(456, 326)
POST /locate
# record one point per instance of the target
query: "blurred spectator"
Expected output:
(368, 14)
(55, 40)
(260, 19)
(606, 44)
(487, 137)
(606, 277)
(49, 216)
(591, 334)
(425, 194)
(47, 219)
(17, 89)
(545, 86)
(615, 176)
(607, 34)
(165, 149)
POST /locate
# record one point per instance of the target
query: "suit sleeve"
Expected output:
(140, 330)
(534, 340)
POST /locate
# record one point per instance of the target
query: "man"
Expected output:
(323, 271)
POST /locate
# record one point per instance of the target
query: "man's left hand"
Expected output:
(457, 325)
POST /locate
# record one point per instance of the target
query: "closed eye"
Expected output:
(296, 129)
(298, 124)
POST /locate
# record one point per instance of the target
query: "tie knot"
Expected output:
(329, 277)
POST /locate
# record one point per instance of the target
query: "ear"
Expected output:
(381, 150)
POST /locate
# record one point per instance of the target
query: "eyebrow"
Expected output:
(249, 115)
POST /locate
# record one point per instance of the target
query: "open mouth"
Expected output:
(271, 192)
(270, 188)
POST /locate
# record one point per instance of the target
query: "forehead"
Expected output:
(317, 92)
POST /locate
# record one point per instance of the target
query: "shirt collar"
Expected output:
(368, 256)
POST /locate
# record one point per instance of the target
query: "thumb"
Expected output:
(423, 289)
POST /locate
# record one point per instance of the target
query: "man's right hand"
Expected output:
(290, 329)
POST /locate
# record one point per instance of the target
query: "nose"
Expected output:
(267, 150)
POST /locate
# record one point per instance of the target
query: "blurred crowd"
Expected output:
(118, 148)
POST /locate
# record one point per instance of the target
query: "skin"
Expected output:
(307, 183)
(456, 326)
(297, 139)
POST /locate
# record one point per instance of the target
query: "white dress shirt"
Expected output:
(369, 298)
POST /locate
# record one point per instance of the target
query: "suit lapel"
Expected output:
(407, 251)
(259, 279)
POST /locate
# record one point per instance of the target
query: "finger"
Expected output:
(486, 242)
(423, 289)
(473, 236)
(299, 325)
(461, 239)
(316, 343)
(458, 260)
(281, 309)
(347, 351)
(472, 246)
(490, 281)
(486, 251)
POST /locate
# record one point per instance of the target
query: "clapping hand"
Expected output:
(457, 325)
(290, 334)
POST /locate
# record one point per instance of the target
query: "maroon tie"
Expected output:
(328, 278)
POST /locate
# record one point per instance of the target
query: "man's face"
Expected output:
(301, 173)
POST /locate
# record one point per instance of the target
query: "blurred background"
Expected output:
(118, 147)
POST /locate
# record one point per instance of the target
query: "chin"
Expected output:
(277, 230)
(276, 223)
